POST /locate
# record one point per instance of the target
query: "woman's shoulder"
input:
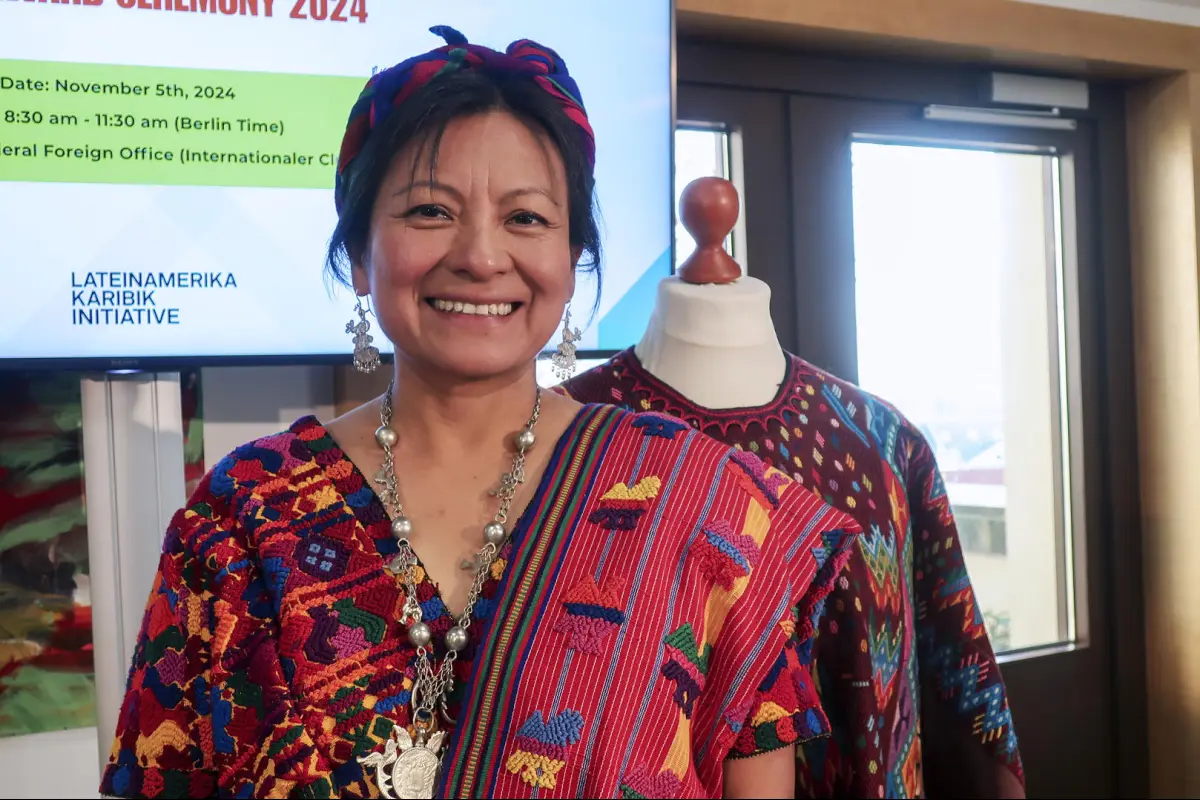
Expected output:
(277, 455)
(258, 485)
(653, 437)
(279, 462)
(672, 439)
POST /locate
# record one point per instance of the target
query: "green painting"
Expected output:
(47, 679)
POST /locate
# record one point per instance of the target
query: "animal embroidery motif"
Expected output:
(686, 666)
(659, 425)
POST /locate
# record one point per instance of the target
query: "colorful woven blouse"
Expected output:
(902, 629)
(649, 617)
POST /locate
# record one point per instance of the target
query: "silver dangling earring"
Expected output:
(366, 356)
(564, 357)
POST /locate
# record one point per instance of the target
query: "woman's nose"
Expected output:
(479, 251)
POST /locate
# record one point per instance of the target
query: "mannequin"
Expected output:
(710, 335)
(908, 676)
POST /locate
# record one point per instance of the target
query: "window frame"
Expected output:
(1091, 729)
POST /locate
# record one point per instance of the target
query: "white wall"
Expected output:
(1178, 12)
(61, 764)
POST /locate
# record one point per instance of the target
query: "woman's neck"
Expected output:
(715, 345)
(443, 420)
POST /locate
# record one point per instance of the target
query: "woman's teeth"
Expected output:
(481, 310)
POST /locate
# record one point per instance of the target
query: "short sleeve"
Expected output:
(786, 709)
(163, 746)
(761, 665)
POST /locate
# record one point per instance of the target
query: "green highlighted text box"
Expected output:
(99, 123)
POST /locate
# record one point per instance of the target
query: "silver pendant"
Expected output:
(406, 769)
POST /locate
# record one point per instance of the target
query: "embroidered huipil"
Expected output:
(901, 629)
(648, 615)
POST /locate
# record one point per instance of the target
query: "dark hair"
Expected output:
(423, 119)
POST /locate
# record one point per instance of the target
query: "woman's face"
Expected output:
(469, 272)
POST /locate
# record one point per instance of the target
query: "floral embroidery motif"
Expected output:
(591, 614)
(541, 747)
(724, 554)
(621, 506)
(685, 666)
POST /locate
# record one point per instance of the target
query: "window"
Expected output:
(701, 151)
(960, 308)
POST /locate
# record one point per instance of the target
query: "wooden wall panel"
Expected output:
(1164, 143)
(989, 29)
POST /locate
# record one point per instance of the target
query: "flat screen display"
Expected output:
(166, 167)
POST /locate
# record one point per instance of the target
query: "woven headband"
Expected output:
(386, 90)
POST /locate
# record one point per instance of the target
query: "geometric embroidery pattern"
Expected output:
(591, 613)
(322, 558)
(767, 484)
(638, 785)
(685, 666)
(621, 506)
(541, 747)
(725, 555)
(288, 564)
(907, 573)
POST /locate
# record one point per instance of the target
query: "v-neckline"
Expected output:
(374, 511)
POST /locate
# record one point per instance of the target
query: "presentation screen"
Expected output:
(166, 167)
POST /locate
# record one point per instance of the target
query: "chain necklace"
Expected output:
(414, 764)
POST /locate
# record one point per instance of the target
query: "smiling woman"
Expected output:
(604, 603)
(492, 231)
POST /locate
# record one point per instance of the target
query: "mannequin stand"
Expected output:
(711, 337)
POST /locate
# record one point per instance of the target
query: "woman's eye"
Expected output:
(527, 218)
(428, 212)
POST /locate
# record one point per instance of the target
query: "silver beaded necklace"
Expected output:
(414, 764)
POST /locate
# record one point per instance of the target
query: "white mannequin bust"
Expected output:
(710, 336)
(715, 343)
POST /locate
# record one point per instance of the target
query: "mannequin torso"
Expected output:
(710, 358)
(715, 343)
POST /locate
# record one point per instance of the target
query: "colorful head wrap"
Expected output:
(386, 90)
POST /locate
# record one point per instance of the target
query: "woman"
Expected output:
(636, 601)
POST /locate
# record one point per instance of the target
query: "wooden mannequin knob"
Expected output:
(708, 209)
